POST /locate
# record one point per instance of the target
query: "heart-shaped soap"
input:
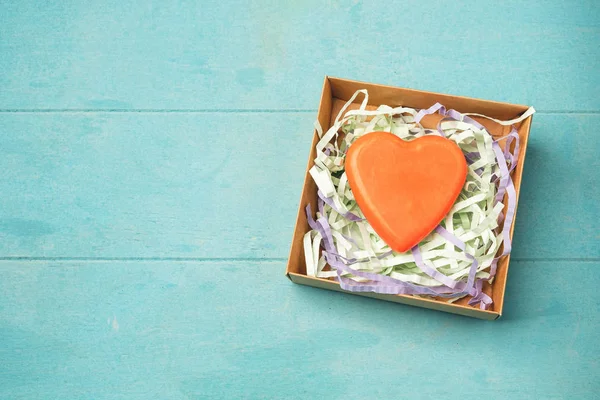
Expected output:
(405, 188)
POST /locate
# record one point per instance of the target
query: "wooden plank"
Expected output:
(244, 55)
(228, 185)
(138, 330)
(159, 185)
(558, 205)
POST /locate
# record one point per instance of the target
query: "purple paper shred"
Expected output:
(330, 203)
(437, 107)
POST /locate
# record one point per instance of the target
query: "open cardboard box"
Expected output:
(336, 92)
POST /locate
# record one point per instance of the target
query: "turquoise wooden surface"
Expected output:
(152, 156)
(264, 54)
(231, 329)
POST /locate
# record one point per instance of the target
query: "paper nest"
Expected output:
(455, 259)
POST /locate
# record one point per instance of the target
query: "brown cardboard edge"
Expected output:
(402, 299)
(343, 88)
(301, 226)
(517, 180)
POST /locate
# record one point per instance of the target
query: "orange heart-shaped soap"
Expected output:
(405, 189)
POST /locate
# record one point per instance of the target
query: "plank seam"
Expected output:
(240, 259)
(216, 110)
(216, 259)
(157, 111)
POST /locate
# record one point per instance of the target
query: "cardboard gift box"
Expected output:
(336, 92)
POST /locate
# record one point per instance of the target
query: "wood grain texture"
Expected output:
(262, 54)
(203, 173)
(227, 185)
(138, 330)
(150, 185)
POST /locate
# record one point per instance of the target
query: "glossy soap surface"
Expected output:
(405, 188)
